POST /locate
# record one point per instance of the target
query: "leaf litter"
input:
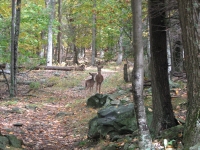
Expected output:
(40, 126)
(50, 117)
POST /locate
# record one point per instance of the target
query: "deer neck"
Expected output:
(99, 72)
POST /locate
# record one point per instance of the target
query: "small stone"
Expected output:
(15, 110)
(18, 124)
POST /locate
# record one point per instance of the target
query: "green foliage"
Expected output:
(116, 80)
(83, 143)
(71, 81)
(108, 55)
(34, 23)
(111, 17)
(34, 85)
(10, 103)
(5, 21)
(52, 81)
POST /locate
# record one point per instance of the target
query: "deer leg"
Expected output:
(99, 88)
(96, 87)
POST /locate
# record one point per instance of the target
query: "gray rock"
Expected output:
(56, 74)
(17, 143)
(32, 107)
(113, 121)
(62, 114)
(130, 147)
(15, 110)
(3, 142)
(2, 146)
(118, 111)
(110, 147)
(98, 101)
(115, 102)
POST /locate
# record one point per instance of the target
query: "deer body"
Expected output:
(90, 82)
(99, 79)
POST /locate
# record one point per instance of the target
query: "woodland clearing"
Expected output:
(51, 114)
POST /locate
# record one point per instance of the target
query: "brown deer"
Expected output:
(90, 82)
(99, 78)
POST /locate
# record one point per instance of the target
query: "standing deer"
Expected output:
(99, 78)
(90, 82)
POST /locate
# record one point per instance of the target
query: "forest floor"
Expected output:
(51, 113)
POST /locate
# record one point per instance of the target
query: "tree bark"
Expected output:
(12, 63)
(126, 73)
(93, 34)
(14, 45)
(145, 141)
(163, 116)
(59, 31)
(75, 50)
(120, 52)
(50, 33)
(190, 25)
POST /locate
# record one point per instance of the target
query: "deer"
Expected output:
(90, 82)
(99, 78)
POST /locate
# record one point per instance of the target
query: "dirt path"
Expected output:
(48, 118)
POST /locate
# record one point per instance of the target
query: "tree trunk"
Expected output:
(126, 73)
(147, 58)
(94, 34)
(43, 46)
(163, 116)
(75, 58)
(145, 141)
(50, 33)
(120, 53)
(12, 63)
(14, 45)
(59, 32)
(189, 18)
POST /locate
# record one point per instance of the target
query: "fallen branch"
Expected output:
(69, 68)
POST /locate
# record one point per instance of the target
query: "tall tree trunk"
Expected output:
(59, 31)
(93, 34)
(14, 45)
(72, 32)
(50, 5)
(120, 53)
(12, 64)
(43, 46)
(163, 116)
(190, 24)
(147, 57)
(145, 141)
(75, 58)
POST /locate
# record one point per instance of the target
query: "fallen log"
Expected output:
(68, 68)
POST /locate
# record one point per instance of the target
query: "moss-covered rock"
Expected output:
(3, 142)
(98, 101)
(13, 141)
(113, 121)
